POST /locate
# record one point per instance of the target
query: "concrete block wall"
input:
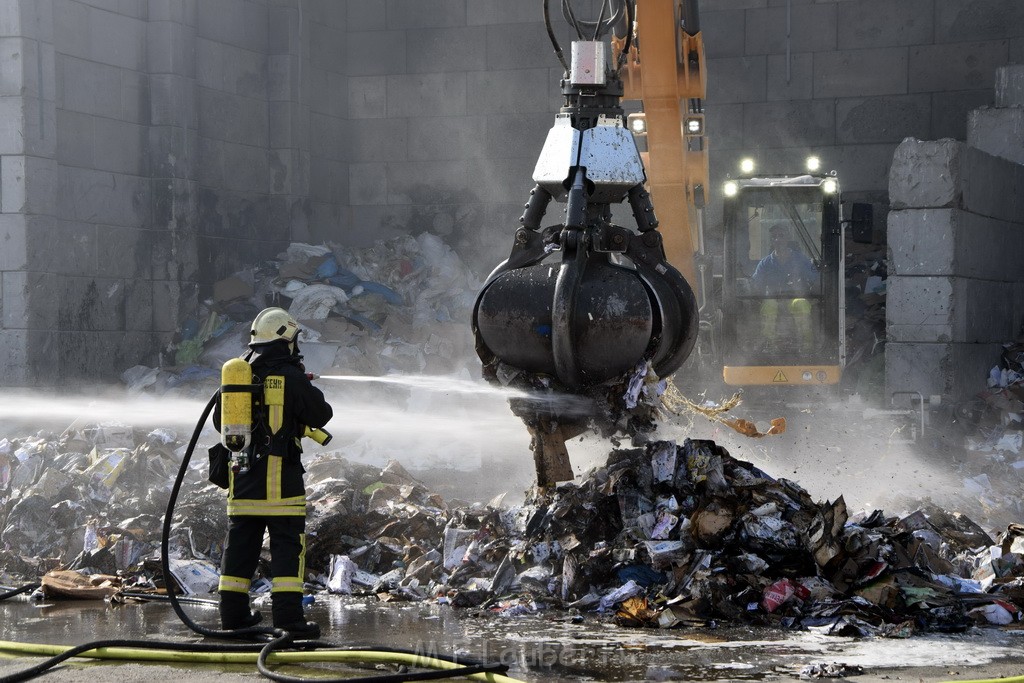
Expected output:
(956, 288)
(847, 80)
(151, 147)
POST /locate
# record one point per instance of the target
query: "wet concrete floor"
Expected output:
(541, 647)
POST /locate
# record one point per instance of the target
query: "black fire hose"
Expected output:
(18, 591)
(278, 638)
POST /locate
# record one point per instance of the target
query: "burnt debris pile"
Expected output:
(664, 535)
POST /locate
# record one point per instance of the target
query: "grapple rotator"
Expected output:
(584, 301)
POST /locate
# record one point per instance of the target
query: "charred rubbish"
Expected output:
(664, 535)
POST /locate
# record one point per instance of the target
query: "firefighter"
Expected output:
(267, 492)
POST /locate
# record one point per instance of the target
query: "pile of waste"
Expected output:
(662, 535)
(402, 305)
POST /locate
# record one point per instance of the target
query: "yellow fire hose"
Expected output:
(142, 655)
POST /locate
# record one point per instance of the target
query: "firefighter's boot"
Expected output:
(235, 613)
(288, 616)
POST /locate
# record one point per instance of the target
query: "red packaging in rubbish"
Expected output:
(777, 594)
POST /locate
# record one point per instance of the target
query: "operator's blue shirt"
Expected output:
(796, 276)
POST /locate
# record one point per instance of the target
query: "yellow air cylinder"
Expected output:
(236, 405)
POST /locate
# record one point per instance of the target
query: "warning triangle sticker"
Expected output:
(780, 376)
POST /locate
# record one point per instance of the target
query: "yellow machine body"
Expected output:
(236, 405)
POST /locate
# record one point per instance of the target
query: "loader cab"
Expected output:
(782, 294)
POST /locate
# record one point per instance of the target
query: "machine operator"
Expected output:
(783, 273)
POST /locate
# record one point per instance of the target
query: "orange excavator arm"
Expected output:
(665, 71)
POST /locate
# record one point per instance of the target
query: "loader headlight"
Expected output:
(730, 188)
(637, 123)
(813, 164)
(694, 125)
(747, 165)
(829, 186)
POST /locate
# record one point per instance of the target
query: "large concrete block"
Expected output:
(210, 162)
(285, 32)
(15, 77)
(366, 15)
(723, 32)
(367, 183)
(122, 147)
(1010, 86)
(172, 301)
(849, 73)
(881, 23)
(245, 72)
(790, 78)
(376, 53)
(724, 125)
(789, 124)
(14, 368)
(1000, 132)
(172, 101)
(447, 49)
(171, 152)
(420, 14)
(209, 63)
(170, 48)
(327, 47)
(39, 127)
(138, 307)
(89, 88)
(950, 111)
(288, 124)
(290, 174)
(13, 242)
(741, 4)
(235, 22)
(125, 252)
(487, 12)
(517, 46)
(328, 180)
(953, 242)
(232, 118)
(949, 309)
(329, 222)
(29, 185)
(515, 135)
(953, 371)
(961, 20)
(424, 182)
(812, 28)
(71, 27)
(378, 140)
(284, 77)
(882, 119)
(860, 167)
(440, 94)
(63, 247)
(167, 10)
(331, 136)
(505, 92)
(102, 197)
(337, 95)
(246, 168)
(504, 181)
(946, 173)
(968, 66)
(15, 305)
(447, 137)
(367, 97)
(117, 40)
(738, 79)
